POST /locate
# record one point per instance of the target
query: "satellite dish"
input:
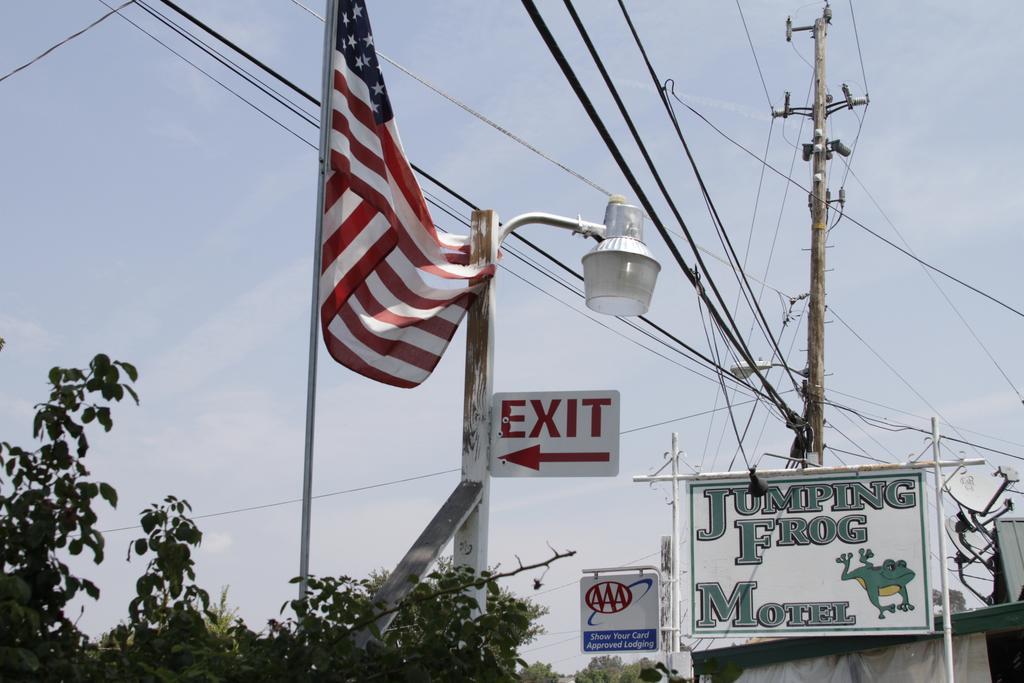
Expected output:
(975, 491)
(972, 544)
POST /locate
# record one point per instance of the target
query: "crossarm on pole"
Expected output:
(424, 551)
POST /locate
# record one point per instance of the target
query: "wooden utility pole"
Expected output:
(815, 395)
(818, 152)
(471, 536)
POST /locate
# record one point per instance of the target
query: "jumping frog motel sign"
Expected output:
(813, 555)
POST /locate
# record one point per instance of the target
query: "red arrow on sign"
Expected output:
(532, 457)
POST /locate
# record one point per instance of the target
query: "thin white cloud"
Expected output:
(216, 543)
(230, 335)
(24, 335)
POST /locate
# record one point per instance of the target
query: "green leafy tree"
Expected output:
(611, 669)
(539, 672)
(407, 625)
(172, 633)
(601, 669)
(221, 617)
(46, 510)
(957, 601)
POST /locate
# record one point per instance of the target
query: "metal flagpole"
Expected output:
(314, 307)
(947, 619)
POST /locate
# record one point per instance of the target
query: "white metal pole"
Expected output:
(947, 618)
(314, 313)
(675, 542)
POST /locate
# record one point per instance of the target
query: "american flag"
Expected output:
(380, 315)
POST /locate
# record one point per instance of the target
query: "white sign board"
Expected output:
(619, 612)
(555, 434)
(815, 555)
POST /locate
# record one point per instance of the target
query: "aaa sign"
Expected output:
(619, 612)
(815, 554)
(555, 434)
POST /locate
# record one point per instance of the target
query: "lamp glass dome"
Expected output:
(619, 273)
(619, 277)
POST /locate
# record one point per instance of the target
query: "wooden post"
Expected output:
(666, 597)
(471, 537)
(819, 223)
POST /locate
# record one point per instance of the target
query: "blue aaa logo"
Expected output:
(610, 597)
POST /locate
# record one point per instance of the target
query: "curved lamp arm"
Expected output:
(577, 225)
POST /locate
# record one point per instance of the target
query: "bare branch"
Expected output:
(479, 581)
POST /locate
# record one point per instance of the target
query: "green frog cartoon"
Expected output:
(882, 581)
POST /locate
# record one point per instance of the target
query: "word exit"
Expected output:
(555, 434)
(556, 418)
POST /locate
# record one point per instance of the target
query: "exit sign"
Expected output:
(555, 434)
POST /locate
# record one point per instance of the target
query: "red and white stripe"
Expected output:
(379, 315)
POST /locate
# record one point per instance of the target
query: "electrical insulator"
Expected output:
(838, 147)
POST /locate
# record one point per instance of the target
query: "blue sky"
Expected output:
(151, 215)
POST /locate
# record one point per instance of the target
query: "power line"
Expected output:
(860, 55)
(557, 642)
(420, 170)
(941, 291)
(867, 434)
(504, 131)
(113, 10)
(792, 419)
(923, 417)
(684, 417)
(737, 268)
(291, 501)
(580, 294)
(213, 78)
(891, 368)
(526, 144)
(712, 364)
(209, 50)
(310, 11)
(899, 427)
(264, 506)
(314, 100)
(219, 36)
(232, 65)
(556, 52)
(853, 220)
(754, 53)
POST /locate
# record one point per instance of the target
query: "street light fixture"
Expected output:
(619, 274)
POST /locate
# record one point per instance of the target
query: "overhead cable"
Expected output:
(791, 416)
(753, 52)
(291, 501)
(216, 80)
(208, 49)
(853, 220)
(113, 10)
(744, 283)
